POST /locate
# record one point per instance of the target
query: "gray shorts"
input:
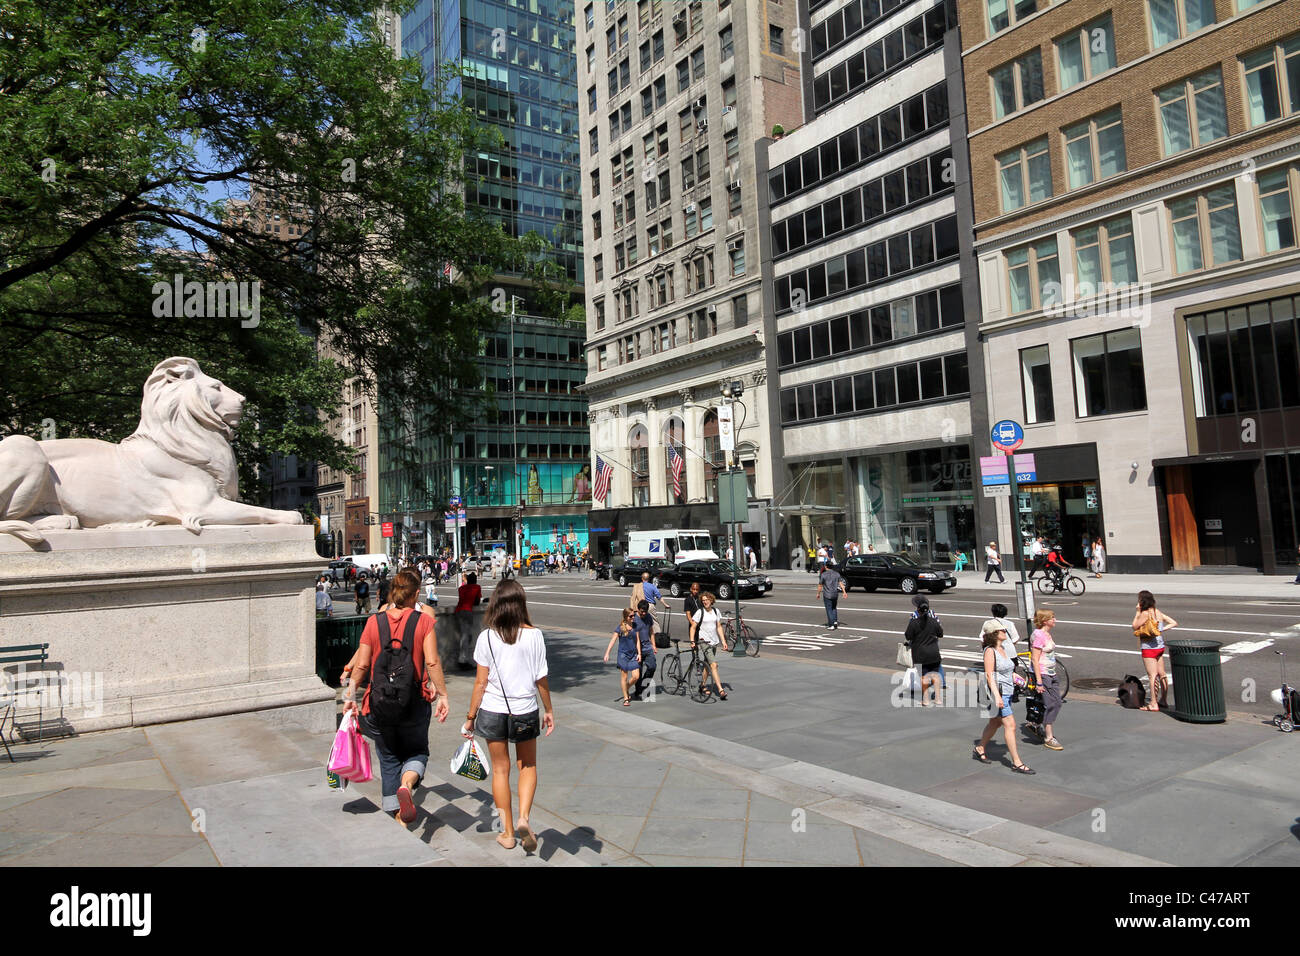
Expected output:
(520, 727)
(708, 652)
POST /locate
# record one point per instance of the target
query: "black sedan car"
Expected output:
(871, 571)
(715, 576)
(630, 572)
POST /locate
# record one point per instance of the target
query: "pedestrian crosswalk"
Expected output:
(797, 641)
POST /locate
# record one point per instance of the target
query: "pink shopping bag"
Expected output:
(344, 755)
(362, 772)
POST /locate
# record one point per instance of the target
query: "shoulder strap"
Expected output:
(504, 695)
(385, 629)
(408, 635)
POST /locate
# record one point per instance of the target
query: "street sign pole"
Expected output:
(1007, 436)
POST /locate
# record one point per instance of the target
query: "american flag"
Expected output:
(675, 462)
(604, 474)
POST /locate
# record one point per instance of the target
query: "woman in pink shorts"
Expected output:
(1149, 623)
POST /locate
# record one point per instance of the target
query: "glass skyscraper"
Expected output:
(529, 455)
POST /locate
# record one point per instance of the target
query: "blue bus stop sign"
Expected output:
(1007, 435)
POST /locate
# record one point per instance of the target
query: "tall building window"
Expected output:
(594, 137)
(1173, 19)
(1086, 52)
(598, 266)
(1036, 378)
(675, 437)
(1267, 98)
(591, 99)
(595, 183)
(599, 305)
(1108, 375)
(639, 444)
(736, 252)
(1034, 276)
(1003, 13)
(683, 75)
(1017, 84)
(1094, 149)
(1192, 112)
(1277, 208)
(590, 14)
(595, 225)
(1245, 358)
(776, 40)
(1104, 253)
(726, 44)
(1206, 229)
(740, 311)
(1025, 175)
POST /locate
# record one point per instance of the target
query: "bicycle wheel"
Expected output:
(750, 638)
(1075, 585)
(1045, 585)
(1063, 676)
(673, 673)
(695, 678)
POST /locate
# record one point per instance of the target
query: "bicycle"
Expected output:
(746, 633)
(1024, 666)
(1051, 582)
(693, 674)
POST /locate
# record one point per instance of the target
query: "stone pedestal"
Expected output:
(158, 624)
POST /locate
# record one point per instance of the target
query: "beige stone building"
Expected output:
(673, 98)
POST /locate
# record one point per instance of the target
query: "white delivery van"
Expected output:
(675, 544)
(368, 562)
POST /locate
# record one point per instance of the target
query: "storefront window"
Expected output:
(920, 502)
(1068, 514)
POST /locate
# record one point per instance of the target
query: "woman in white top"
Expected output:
(511, 659)
(706, 626)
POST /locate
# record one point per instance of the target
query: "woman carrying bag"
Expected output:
(922, 640)
(397, 658)
(511, 659)
(1148, 627)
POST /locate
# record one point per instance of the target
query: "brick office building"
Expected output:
(1138, 267)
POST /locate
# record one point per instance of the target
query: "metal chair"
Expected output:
(14, 659)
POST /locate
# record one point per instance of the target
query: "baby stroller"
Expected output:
(1289, 698)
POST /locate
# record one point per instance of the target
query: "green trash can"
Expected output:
(337, 639)
(1197, 677)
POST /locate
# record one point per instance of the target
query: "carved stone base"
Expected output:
(157, 624)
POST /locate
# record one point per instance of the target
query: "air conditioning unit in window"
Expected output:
(702, 125)
(734, 244)
(690, 208)
(679, 16)
(698, 104)
(733, 185)
(713, 311)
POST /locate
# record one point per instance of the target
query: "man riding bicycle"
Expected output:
(1055, 566)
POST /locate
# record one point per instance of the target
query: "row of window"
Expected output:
(693, 326)
(1246, 358)
(880, 390)
(1205, 229)
(1107, 373)
(875, 327)
(908, 42)
(844, 25)
(1170, 20)
(881, 133)
(915, 183)
(888, 258)
(1191, 113)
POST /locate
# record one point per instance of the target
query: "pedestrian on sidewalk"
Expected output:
(922, 637)
(998, 668)
(1098, 558)
(361, 592)
(830, 585)
(1037, 551)
(707, 629)
(1043, 657)
(629, 654)
(512, 672)
(999, 612)
(324, 603)
(399, 650)
(1149, 623)
(468, 596)
(643, 625)
(691, 603)
(993, 563)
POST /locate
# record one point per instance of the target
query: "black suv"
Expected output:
(713, 575)
(630, 572)
(871, 571)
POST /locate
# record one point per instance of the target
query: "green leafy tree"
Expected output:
(131, 129)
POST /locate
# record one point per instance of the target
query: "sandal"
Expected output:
(1021, 768)
(722, 695)
(980, 755)
(1150, 708)
(627, 702)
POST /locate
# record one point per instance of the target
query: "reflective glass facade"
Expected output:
(520, 75)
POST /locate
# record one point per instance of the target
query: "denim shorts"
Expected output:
(1006, 710)
(520, 727)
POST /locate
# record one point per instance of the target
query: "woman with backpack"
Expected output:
(511, 659)
(397, 658)
(1148, 627)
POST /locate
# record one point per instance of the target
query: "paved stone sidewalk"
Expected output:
(806, 763)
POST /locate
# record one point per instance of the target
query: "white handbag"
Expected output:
(904, 656)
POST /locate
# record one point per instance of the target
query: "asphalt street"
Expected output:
(1094, 631)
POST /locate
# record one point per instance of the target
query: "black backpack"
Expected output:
(394, 684)
(1132, 695)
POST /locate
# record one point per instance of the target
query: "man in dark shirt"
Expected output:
(830, 585)
(643, 626)
(468, 596)
(362, 594)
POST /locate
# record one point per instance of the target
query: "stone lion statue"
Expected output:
(177, 467)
